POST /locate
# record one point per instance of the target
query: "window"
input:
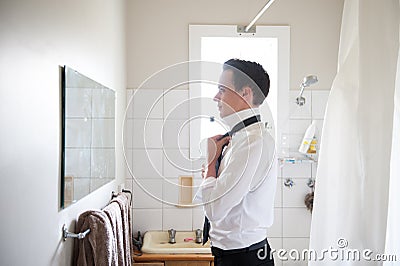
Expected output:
(269, 46)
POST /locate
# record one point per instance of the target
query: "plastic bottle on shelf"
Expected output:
(308, 138)
(313, 146)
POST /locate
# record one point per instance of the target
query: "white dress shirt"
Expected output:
(240, 202)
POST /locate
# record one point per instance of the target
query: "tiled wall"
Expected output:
(157, 151)
(291, 228)
(167, 145)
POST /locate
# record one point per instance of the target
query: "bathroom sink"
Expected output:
(157, 242)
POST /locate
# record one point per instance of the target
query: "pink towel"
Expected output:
(113, 212)
(110, 239)
(98, 247)
(123, 201)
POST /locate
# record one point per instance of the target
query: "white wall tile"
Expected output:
(296, 170)
(197, 174)
(146, 220)
(129, 186)
(176, 163)
(318, 131)
(278, 194)
(129, 103)
(285, 144)
(296, 111)
(276, 229)
(147, 103)
(294, 143)
(301, 228)
(197, 165)
(170, 192)
(196, 185)
(147, 133)
(319, 101)
(176, 104)
(198, 219)
(291, 262)
(147, 163)
(128, 163)
(147, 193)
(275, 242)
(292, 138)
(298, 126)
(298, 244)
(294, 196)
(294, 263)
(176, 134)
(178, 219)
(295, 136)
(297, 130)
(128, 133)
(314, 167)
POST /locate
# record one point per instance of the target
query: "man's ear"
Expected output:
(247, 94)
(245, 91)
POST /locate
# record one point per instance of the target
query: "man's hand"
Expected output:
(214, 150)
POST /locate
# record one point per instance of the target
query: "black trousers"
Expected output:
(256, 254)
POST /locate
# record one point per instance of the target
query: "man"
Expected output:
(239, 190)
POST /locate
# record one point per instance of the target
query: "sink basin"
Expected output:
(157, 242)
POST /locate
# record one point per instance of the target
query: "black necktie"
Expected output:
(236, 128)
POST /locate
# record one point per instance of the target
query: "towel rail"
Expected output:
(67, 234)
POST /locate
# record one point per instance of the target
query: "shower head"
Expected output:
(307, 81)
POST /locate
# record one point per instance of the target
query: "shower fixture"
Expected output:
(307, 81)
(267, 5)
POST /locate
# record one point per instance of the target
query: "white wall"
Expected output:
(158, 33)
(36, 37)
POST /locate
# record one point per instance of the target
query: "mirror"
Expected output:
(88, 136)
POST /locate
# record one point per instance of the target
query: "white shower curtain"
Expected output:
(393, 224)
(353, 176)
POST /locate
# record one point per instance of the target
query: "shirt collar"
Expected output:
(235, 118)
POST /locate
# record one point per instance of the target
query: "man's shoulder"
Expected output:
(254, 137)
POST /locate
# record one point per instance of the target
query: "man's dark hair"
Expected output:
(251, 74)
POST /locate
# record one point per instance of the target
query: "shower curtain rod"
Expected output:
(267, 5)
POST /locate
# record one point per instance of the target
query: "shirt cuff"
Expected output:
(207, 182)
(203, 191)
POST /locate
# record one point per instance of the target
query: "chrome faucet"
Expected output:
(198, 236)
(171, 236)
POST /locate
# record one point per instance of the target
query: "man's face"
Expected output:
(229, 101)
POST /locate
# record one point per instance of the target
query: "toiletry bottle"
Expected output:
(313, 146)
(308, 137)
